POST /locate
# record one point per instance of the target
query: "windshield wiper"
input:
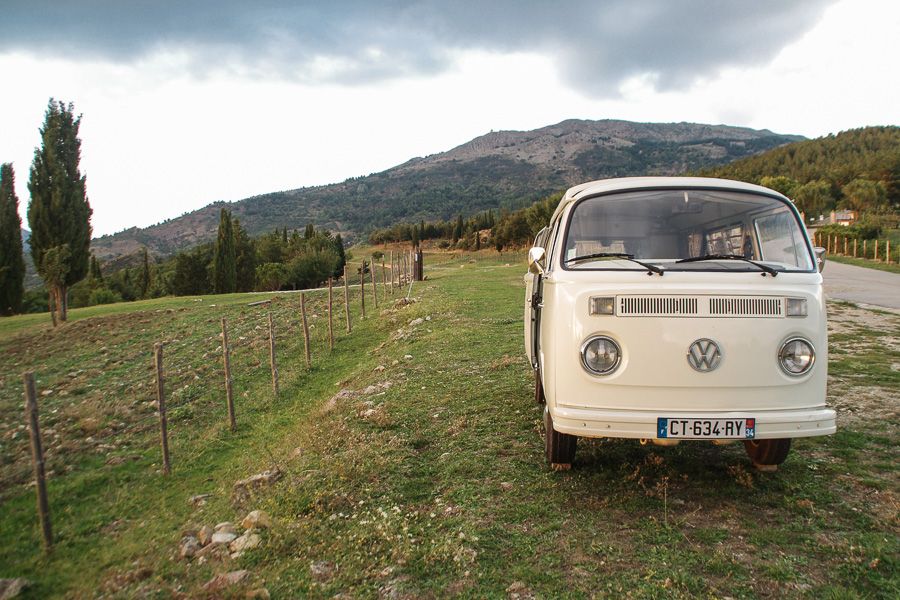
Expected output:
(764, 268)
(650, 268)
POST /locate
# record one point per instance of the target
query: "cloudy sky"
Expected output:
(196, 101)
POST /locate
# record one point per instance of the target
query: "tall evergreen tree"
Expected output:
(144, 281)
(245, 259)
(458, 230)
(342, 256)
(59, 214)
(224, 260)
(95, 274)
(12, 263)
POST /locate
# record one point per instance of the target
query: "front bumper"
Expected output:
(642, 424)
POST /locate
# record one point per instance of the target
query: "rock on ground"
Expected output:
(204, 536)
(224, 580)
(256, 519)
(244, 488)
(189, 546)
(322, 570)
(10, 588)
(248, 541)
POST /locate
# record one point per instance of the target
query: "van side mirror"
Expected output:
(536, 260)
(820, 258)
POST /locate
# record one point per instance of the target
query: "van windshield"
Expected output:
(666, 226)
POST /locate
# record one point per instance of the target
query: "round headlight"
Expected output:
(796, 356)
(600, 355)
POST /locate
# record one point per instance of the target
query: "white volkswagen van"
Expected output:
(672, 308)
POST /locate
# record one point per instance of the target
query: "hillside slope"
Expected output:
(867, 153)
(500, 169)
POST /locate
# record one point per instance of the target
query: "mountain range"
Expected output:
(503, 169)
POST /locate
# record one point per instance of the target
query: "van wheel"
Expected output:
(539, 388)
(559, 447)
(767, 454)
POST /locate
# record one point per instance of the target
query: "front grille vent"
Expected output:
(746, 307)
(700, 306)
(657, 306)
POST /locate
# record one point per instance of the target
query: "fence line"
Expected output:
(881, 250)
(190, 357)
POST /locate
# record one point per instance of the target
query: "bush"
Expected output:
(103, 296)
(861, 231)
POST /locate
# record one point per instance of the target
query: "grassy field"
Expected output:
(424, 476)
(869, 264)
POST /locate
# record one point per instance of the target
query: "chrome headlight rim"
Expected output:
(812, 361)
(583, 360)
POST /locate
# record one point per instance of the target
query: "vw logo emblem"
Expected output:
(704, 355)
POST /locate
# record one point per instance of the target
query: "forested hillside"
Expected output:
(857, 169)
(506, 169)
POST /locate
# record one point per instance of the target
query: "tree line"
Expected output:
(857, 169)
(59, 218)
(511, 229)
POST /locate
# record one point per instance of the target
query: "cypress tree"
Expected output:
(458, 230)
(224, 260)
(12, 263)
(144, 281)
(59, 214)
(95, 275)
(342, 256)
(245, 259)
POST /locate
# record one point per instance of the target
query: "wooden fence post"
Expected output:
(865, 249)
(384, 285)
(330, 319)
(229, 393)
(362, 289)
(347, 298)
(855, 240)
(37, 459)
(161, 401)
(272, 355)
(845, 245)
(876, 250)
(306, 350)
(887, 251)
(374, 287)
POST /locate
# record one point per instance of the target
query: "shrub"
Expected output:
(103, 296)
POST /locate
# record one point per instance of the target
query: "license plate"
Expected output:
(714, 429)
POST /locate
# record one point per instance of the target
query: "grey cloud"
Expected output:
(595, 44)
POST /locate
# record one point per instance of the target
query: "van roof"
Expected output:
(602, 186)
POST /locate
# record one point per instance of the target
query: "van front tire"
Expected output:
(767, 454)
(559, 447)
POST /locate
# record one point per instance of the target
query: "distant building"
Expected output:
(843, 217)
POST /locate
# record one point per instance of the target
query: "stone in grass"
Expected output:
(224, 534)
(226, 580)
(517, 590)
(248, 541)
(256, 519)
(205, 535)
(245, 488)
(10, 588)
(322, 570)
(189, 546)
(213, 552)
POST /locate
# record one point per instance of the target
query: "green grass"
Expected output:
(435, 486)
(893, 267)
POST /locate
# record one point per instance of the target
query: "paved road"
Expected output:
(861, 285)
